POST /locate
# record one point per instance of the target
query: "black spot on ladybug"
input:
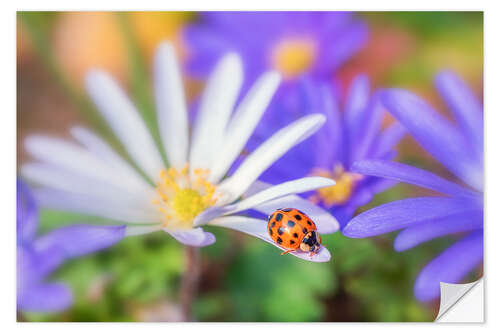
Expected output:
(292, 242)
(298, 217)
(311, 240)
(273, 224)
(309, 222)
(291, 224)
(279, 240)
(286, 209)
(281, 230)
(271, 217)
(295, 235)
(304, 230)
(270, 231)
(279, 217)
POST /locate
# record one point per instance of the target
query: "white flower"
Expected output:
(92, 178)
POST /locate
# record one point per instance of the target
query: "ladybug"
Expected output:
(292, 229)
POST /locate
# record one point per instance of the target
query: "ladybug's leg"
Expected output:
(287, 251)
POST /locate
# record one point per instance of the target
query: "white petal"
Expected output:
(134, 230)
(243, 123)
(76, 159)
(216, 105)
(101, 149)
(125, 121)
(323, 255)
(211, 213)
(256, 187)
(112, 209)
(258, 228)
(325, 222)
(171, 105)
(295, 186)
(59, 178)
(192, 237)
(267, 153)
(68, 156)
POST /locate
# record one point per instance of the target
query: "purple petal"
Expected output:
(435, 134)
(27, 221)
(50, 297)
(33, 266)
(77, 240)
(49, 260)
(329, 140)
(255, 34)
(208, 44)
(450, 267)
(243, 21)
(378, 185)
(464, 105)
(344, 213)
(349, 42)
(422, 232)
(193, 237)
(402, 213)
(27, 269)
(411, 175)
(387, 140)
(369, 127)
(357, 100)
(362, 195)
(290, 104)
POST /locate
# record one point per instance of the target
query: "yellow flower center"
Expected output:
(292, 57)
(341, 191)
(181, 197)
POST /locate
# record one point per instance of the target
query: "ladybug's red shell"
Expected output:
(288, 226)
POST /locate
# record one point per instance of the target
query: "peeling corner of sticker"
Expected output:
(462, 303)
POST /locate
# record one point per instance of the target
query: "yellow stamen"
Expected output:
(292, 57)
(181, 197)
(341, 191)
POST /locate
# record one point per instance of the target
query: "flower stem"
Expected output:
(189, 283)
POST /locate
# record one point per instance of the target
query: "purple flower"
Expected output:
(459, 147)
(292, 43)
(37, 257)
(301, 47)
(351, 133)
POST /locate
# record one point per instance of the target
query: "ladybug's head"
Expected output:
(311, 242)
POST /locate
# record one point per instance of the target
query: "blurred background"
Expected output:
(242, 278)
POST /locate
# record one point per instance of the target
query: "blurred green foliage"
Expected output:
(245, 279)
(441, 39)
(426, 25)
(262, 285)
